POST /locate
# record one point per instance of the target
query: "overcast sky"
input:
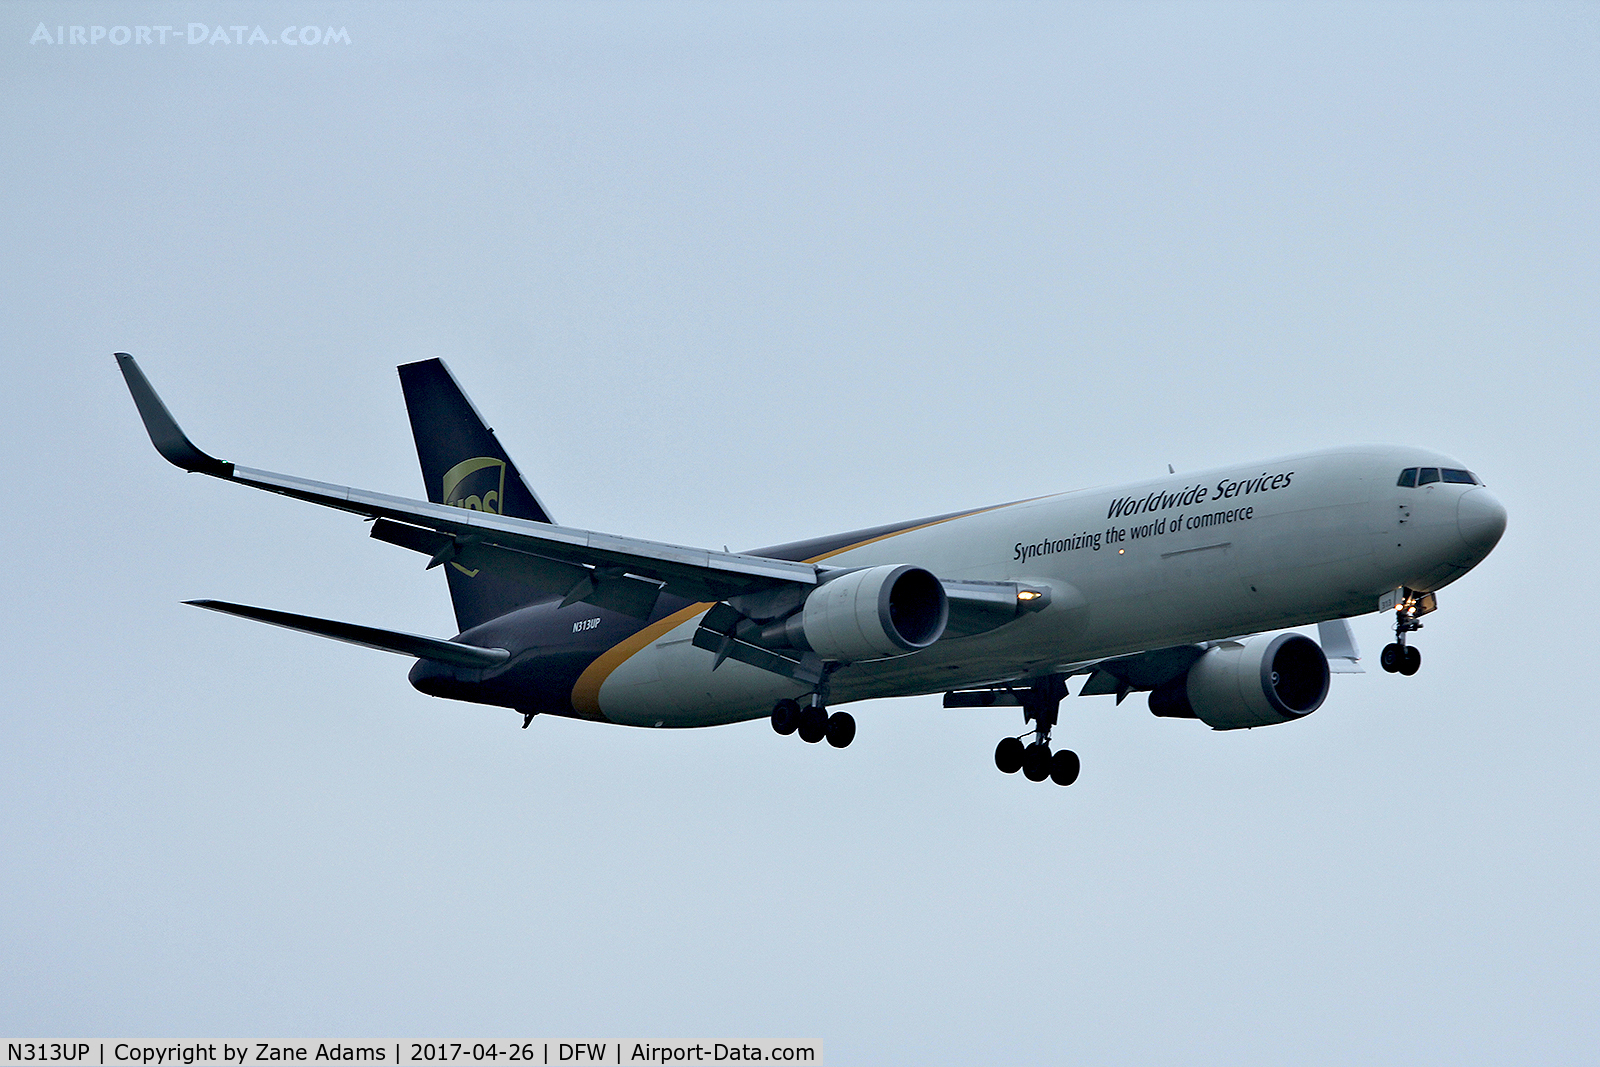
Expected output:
(740, 275)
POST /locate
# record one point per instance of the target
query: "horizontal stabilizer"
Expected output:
(433, 648)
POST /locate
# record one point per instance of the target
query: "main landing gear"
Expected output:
(813, 722)
(1041, 702)
(1036, 761)
(1399, 657)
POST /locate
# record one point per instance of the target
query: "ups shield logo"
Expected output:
(478, 485)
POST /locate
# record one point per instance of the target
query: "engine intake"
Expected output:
(1260, 682)
(871, 614)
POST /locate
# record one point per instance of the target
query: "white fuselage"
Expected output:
(1172, 560)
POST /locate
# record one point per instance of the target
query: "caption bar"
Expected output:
(392, 1053)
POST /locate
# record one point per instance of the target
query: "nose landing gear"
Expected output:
(1040, 703)
(1399, 657)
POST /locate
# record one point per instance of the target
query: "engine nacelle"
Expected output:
(872, 613)
(1260, 682)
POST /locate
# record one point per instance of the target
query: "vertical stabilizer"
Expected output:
(463, 465)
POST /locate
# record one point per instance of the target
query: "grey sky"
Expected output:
(739, 275)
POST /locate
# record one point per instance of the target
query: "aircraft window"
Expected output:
(1427, 474)
(1408, 478)
(1459, 477)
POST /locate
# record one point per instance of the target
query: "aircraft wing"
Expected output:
(598, 565)
(1138, 672)
(1149, 670)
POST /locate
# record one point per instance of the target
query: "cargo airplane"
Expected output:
(1172, 586)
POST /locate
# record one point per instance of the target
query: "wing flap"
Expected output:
(687, 571)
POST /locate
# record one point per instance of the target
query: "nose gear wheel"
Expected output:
(1399, 657)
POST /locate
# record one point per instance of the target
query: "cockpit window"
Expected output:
(1412, 477)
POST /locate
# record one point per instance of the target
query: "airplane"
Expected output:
(1175, 586)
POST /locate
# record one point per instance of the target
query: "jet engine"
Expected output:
(869, 614)
(1258, 682)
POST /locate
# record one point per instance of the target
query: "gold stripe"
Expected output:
(586, 691)
(911, 529)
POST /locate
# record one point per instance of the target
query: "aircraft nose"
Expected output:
(1481, 519)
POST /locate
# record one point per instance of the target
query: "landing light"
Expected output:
(1029, 594)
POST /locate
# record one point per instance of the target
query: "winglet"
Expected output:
(170, 440)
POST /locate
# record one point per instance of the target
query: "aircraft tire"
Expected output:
(813, 724)
(1411, 662)
(1036, 762)
(841, 729)
(1064, 767)
(1390, 659)
(1008, 755)
(785, 717)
